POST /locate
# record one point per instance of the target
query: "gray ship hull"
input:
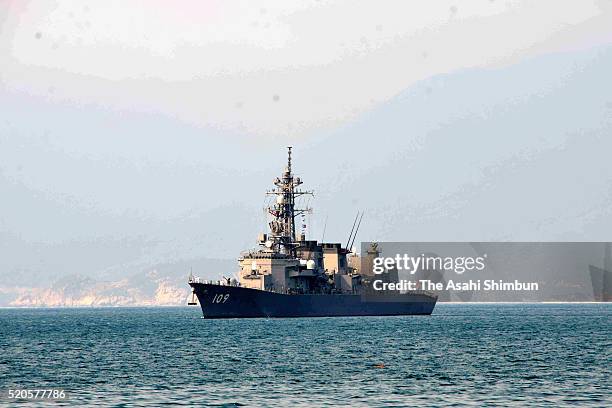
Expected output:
(219, 301)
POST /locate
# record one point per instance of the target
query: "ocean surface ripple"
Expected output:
(464, 354)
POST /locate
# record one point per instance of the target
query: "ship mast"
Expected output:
(282, 227)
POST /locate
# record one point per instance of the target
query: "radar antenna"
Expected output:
(348, 241)
(283, 211)
(356, 231)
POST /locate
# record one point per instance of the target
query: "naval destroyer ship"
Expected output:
(290, 276)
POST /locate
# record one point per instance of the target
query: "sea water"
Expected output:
(475, 354)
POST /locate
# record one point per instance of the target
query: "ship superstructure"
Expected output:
(285, 261)
(290, 276)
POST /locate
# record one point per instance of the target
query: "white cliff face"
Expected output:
(170, 295)
(157, 285)
(75, 291)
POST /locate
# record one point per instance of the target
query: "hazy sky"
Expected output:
(136, 132)
(271, 69)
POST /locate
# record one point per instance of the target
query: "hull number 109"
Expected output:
(220, 298)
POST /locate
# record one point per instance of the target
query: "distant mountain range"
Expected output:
(519, 153)
(161, 285)
(94, 203)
